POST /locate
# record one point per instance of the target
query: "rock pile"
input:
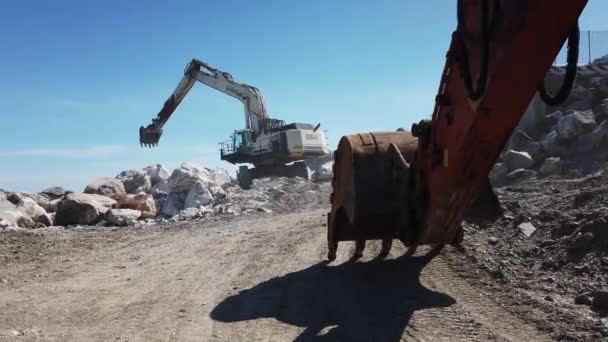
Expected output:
(571, 139)
(152, 194)
(552, 240)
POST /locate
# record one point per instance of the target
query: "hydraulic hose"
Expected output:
(476, 91)
(571, 67)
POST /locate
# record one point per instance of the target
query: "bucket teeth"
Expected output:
(149, 136)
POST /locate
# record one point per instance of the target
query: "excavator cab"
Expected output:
(241, 140)
(239, 144)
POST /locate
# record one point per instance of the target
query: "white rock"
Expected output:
(160, 202)
(574, 124)
(174, 203)
(85, 209)
(109, 183)
(520, 174)
(323, 174)
(198, 196)
(550, 120)
(498, 174)
(47, 220)
(41, 200)
(198, 168)
(54, 192)
(53, 205)
(315, 163)
(122, 217)
(534, 149)
(518, 160)
(160, 189)
(190, 213)
(135, 181)
(592, 140)
(4, 223)
(553, 146)
(29, 207)
(220, 176)
(551, 166)
(183, 177)
(157, 173)
(217, 192)
(307, 186)
(527, 228)
(12, 216)
(142, 202)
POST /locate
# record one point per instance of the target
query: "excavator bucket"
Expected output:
(149, 136)
(374, 191)
(370, 198)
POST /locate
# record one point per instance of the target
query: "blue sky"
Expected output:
(78, 78)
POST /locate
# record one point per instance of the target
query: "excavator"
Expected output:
(269, 144)
(418, 186)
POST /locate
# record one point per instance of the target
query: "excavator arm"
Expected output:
(417, 186)
(255, 110)
(497, 60)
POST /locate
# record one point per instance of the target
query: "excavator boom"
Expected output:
(150, 135)
(428, 179)
(468, 131)
(255, 109)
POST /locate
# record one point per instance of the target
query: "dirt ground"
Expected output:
(561, 265)
(260, 277)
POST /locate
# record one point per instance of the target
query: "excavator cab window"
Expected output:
(238, 139)
(241, 140)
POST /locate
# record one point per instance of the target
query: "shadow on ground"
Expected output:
(367, 301)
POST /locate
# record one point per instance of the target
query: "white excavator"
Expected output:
(269, 144)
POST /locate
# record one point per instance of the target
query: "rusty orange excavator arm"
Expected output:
(417, 186)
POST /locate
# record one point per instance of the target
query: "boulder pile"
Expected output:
(153, 195)
(569, 140)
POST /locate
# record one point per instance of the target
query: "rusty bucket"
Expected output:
(371, 189)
